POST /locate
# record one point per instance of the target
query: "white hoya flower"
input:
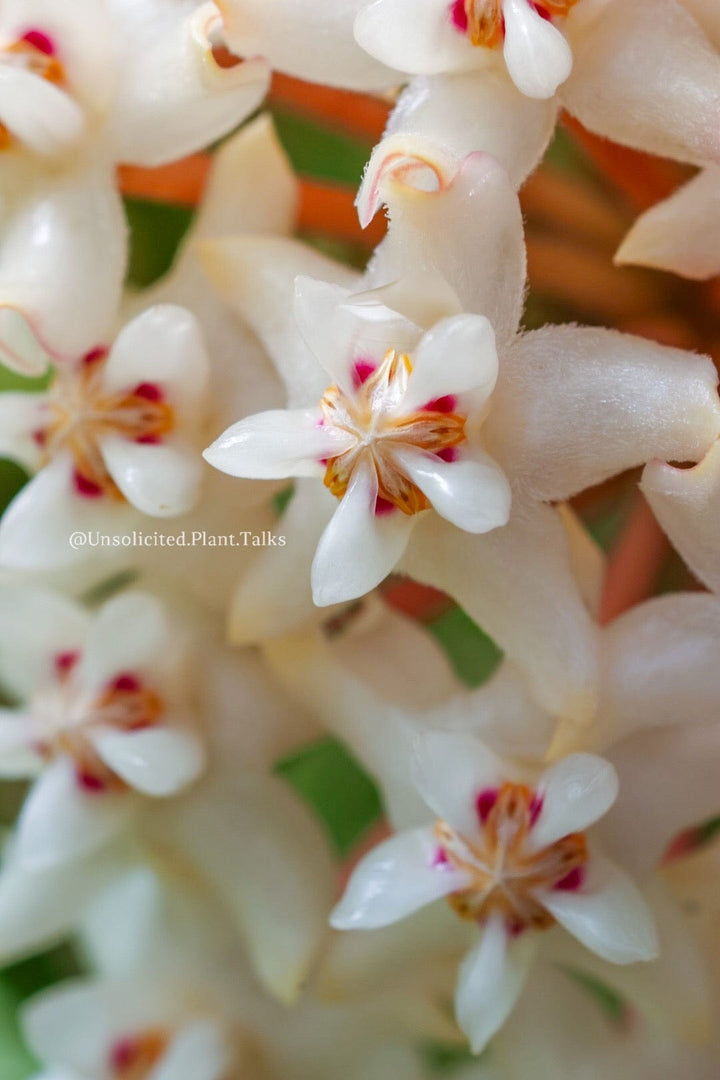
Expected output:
(427, 431)
(682, 233)
(509, 849)
(114, 437)
(102, 713)
(85, 86)
(493, 75)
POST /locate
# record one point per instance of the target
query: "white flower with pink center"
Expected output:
(102, 713)
(509, 851)
(397, 432)
(114, 437)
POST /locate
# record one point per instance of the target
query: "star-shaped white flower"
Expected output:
(416, 405)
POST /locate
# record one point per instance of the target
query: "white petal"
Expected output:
(359, 548)
(157, 761)
(662, 97)
(18, 734)
(575, 792)
(417, 38)
(174, 98)
(36, 528)
(395, 879)
(517, 584)
(278, 444)
(575, 405)
(471, 492)
(301, 39)
(490, 981)
(457, 355)
(451, 770)
(160, 479)
(607, 914)
(473, 209)
(60, 822)
(21, 415)
(40, 114)
(36, 625)
(162, 346)
(536, 53)
(130, 634)
(681, 233)
(200, 1051)
(62, 256)
(20, 349)
(686, 502)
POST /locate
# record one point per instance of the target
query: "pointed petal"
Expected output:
(608, 914)
(359, 547)
(537, 55)
(457, 355)
(174, 97)
(62, 257)
(441, 231)
(162, 346)
(157, 761)
(21, 415)
(417, 38)
(256, 277)
(160, 479)
(36, 626)
(471, 492)
(507, 581)
(451, 769)
(491, 980)
(41, 115)
(301, 40)
(686, 502)
(200, 1051)
(278, 444)
(60, 822)
(547, 427)
(661, 97)
(18, 758)
(397, 878)
(575, 792)
(130, 634)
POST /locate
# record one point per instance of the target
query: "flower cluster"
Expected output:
(182, 721)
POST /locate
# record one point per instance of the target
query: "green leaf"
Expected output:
(472, 653)
(16, 1062)
(320, 152)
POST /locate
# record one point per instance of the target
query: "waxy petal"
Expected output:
(21, 416)
(471, 493)
(456, 356)
(682, 233)
(278, 444)
(441, 231)
(359, 547)
(491, 979)
(537, 55)
(199, 1051)
(161, 479)
(575, 792)
(36, 627)
(156, 761)
(130, 635)
(397, 878)
(608, 914)
(60, 821)
(417, 38)
(39, 114)
(645, 75)
(547, 429)
(508, 581)
(450, 770)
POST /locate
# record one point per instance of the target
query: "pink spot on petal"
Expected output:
(361, 372)
(149, 391)
(458, 16)
(536, 805)
(148, 440)
(542, 12)
(450, 453)
(485, 802)
(92, 357)
(572, 881)
(66, 661)
(126, 682)
(39, 41)
(40, 437)
(445, 404)
(123, 1054)
(90, 783)
(86, 487)
(440, 858)
(514, 928)
(383, 506)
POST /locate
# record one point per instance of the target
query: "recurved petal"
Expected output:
(537, 55)
(44, 117)
(682, 233)
(645, 74)
(574, 406)
(36, 626)
(516, 582)
(575, 792)
(60, 822)
(686, 502)
(301, 39)
(130, 634)
(451, 769)
(471, 492)
(62, 260)
(417, 38)
(21, 416)
(469, 209)
(491, 980)
(161, 479)
(359, 547)
(157, 761)
(174, 97)
(455, 356)
(277, 444)
(397, 878)
(608, 914)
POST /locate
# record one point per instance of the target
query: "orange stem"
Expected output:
(357, 114)
(634, 564)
